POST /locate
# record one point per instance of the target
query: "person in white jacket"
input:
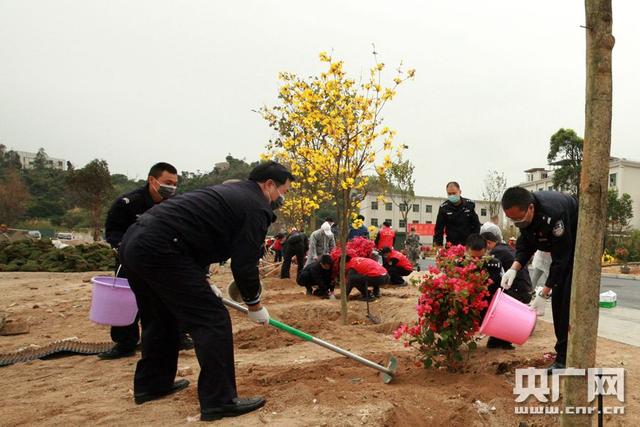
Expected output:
(321, 243)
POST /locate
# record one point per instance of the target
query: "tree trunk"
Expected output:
(95, 214)
(583, 332)
(344, 226)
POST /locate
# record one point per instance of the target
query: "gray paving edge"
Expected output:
(621, 276)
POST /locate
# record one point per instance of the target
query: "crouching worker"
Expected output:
(477, 249)
(396, 264)
(318, 275)
(522, 289)
(363, 273)
(164, 254)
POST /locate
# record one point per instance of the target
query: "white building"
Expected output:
(422, 210)
(624, 175)
(27, 159)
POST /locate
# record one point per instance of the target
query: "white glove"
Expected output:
(539, 304)
(261, 316)
(508, 278)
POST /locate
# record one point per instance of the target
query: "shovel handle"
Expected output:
(307, 337)
(293, 331)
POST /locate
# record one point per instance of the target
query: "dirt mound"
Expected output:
(263, 339)
(304, 384)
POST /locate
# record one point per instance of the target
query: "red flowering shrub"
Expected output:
(357, 247)
(452, 298)
(622, 254)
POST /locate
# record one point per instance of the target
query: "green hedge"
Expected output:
(41, 255)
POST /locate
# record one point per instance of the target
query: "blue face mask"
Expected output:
(454, 198)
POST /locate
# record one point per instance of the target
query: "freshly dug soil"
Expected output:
(305, 385)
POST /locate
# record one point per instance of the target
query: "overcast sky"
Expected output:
(135, 82)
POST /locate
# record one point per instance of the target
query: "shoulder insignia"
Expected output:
(126, 200)
(558, 229)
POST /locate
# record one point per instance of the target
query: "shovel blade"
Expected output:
(392, 366)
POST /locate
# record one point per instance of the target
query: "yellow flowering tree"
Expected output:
(330, 131)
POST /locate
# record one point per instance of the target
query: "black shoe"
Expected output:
(186, 343)
(309, 290)
(367, 298)
(555, 365)
(497, 343)
(239, 406)
(116, 353)
(148, 396)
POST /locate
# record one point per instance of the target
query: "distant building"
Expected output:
(422, 210)
(27, 159)
(624, 175)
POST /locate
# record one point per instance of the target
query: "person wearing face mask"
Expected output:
(457, 218)
(165, 254)
(161, 185)
(548, 221)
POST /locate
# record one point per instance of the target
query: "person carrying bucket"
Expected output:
(165, 253)
(548, 221)
(161, 185)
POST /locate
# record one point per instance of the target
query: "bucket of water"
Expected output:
(508, 319)
(112, 301)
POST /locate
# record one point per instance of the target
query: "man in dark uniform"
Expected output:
(296, 245)
(161, 184)
(456, 217)
(476, 247)
(165, 254)
(548, 221)
(522, 288)
(318, 274)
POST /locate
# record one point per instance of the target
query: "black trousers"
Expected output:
(560, 306)
(172, 291)
(277, 255)
(362, 283)
(396, 274)
(292, 251)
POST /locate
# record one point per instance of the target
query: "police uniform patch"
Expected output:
(558, 229)
(126, 200)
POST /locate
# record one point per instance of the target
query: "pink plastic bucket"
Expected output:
(508, 319)
(112, 301)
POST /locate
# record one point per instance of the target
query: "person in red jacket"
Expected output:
(386, 236)
(277, 247)
(365, 272)
(397, 265)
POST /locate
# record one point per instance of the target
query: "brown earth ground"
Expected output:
(305, 385)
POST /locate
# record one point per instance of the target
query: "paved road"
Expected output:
(628, 291)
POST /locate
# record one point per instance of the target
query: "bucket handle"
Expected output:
(116, 276)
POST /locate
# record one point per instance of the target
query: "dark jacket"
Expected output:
(458, 222)
(314, 275)
(553, 229)
(124, 212)
(295, 242)
(521, 288)
(216, 223)
(362, 231)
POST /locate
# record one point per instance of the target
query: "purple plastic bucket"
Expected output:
(112, 301)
